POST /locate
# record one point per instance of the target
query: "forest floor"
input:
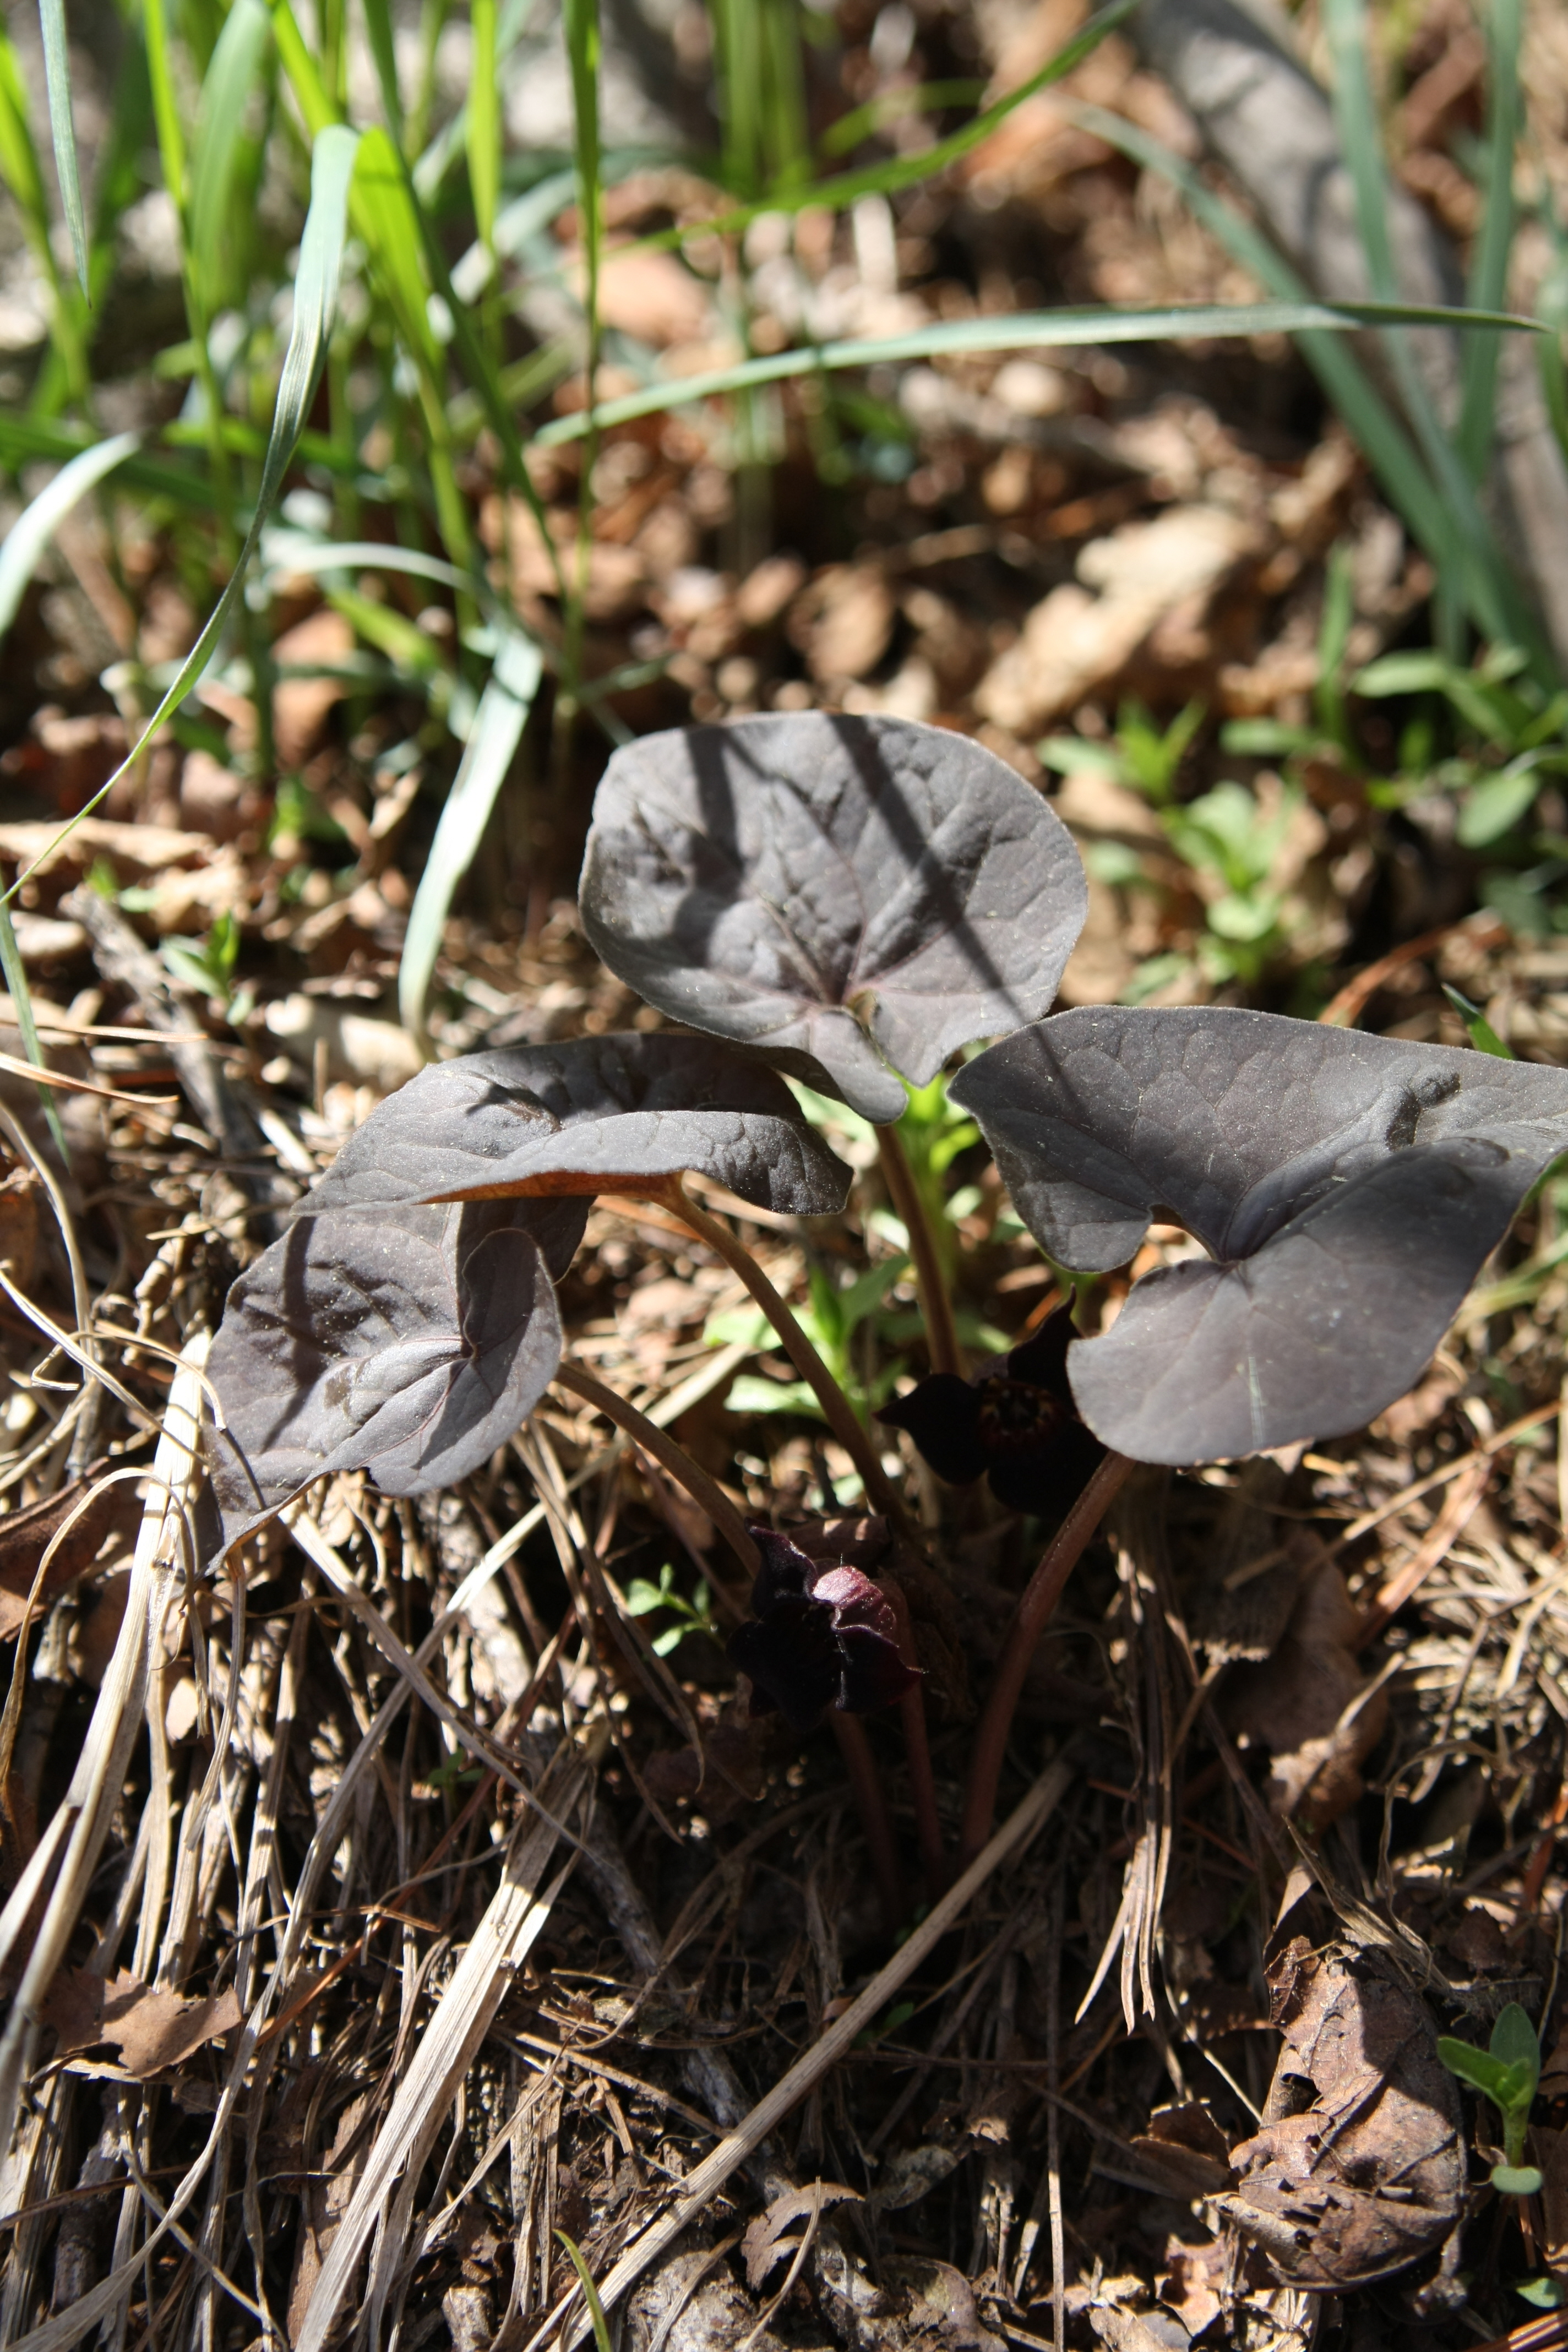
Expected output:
(1348, 1666)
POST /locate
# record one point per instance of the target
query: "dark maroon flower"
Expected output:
(1015, 1422)
(822, 1635)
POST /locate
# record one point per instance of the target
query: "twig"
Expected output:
(705, 1492)
(1343, 1010)
(702, 2184)
(1030, 1618)
(1434, 1549)
(854, 1750)
(941, 1332)
(837, 1410)
(922, 1779)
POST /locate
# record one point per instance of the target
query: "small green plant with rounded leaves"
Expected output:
(1507, 2072)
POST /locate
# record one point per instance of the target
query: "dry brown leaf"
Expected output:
(844, 622)
(652, 297)
(300, 704)
(1185, 2147)
(764, 2244)
(1300, 1705)
(936, 2305)
(153, 2030)
(1359, 2167)
(1077, 643)
(24, 1536)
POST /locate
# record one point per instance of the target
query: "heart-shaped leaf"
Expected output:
(411, 1344)
(1346, 1187)
(593, 1115)
(841, 894)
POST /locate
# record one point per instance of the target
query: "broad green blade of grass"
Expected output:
(382, 48)
(57, 78)
(1404, 474)
(24, 439)
(497, 728)
(907, 171)
(288, 552)
(215, 147)
(1024, 330)
(484, 121)
(1488, 589)
(1489, 269)
(315, 304)
(37, 525)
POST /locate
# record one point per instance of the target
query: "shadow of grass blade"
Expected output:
(497, 728)
(215, 148)
(57, 78)
(332, 163)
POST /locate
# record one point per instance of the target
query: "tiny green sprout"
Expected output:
(1483, 1037)
(1507, 2071)
(691, 1616)
(599, 2324)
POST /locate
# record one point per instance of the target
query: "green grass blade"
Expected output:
(382, 48)
(19, 154)
(37, 525)
(1489, 270)
(216, 145)
(600, 2324)
(1488, 589)
(841, 138)
(906, 170)
(315, 305)
(22, 1005)
(1405, 474)
(484, 121)
(1024, 330)
(58, 80)
(497, 728)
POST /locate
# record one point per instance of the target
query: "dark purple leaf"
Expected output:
(1346, 1187)
(410, 1343)
(581, 1118)
(841, 894)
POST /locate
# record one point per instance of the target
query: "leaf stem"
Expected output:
(860, 1765)
(1036, 1605)
(705, 1492)
(922, 1779)
(942, 1332)
(837, 1411)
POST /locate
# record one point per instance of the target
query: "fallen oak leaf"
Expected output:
(153, 2030)
(1359, 2167)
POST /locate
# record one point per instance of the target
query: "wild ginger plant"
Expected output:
(849, 902)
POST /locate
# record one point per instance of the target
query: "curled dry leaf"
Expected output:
(597, 1113)
(764, 2244)
(149, 2030)
(25, 1535)
(1359, 2167)
(1346, 1187)
(410, 1343)
(841, 894)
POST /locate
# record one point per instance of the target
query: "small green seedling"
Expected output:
(596, 2319)
(690, 1616)
(1507, 2071)
(1483, 1037)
